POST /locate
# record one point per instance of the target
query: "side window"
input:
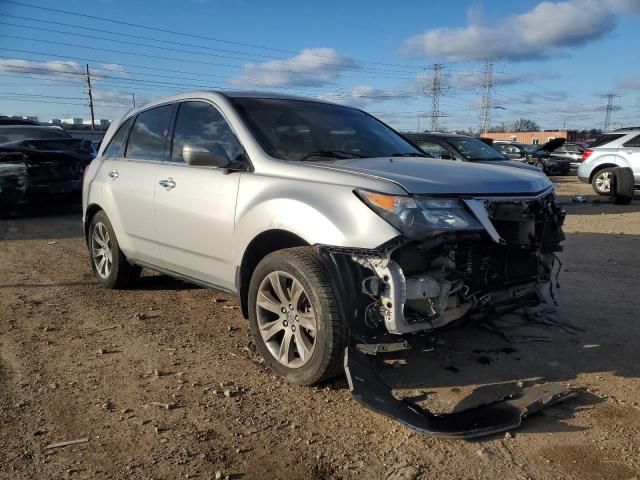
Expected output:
(435, 150)
(199, 123)
(115, 147)
(148, 134)
(634, 142)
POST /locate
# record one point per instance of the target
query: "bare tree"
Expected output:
(524, 125)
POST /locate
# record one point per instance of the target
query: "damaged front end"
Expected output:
(458, 259)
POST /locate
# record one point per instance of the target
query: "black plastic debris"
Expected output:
(504, 414)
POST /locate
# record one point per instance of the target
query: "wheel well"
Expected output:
(91, 211)
(600, 167)
(261, 246)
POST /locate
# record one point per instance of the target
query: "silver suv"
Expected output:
(620, 148)
(328, 225)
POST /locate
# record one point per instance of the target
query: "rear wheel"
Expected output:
(108, 262)
(295, 317)
(601, 181)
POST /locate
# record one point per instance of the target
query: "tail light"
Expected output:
(586, 154)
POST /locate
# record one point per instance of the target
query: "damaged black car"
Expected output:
(40, 163)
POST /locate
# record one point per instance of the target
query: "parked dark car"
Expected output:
(40, 163)
(4, 120)
(451, 146)
(542, 156)
(570, 151)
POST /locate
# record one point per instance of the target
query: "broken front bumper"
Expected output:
(504, 414)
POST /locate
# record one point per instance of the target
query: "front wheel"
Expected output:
(295, 317)
(601, 181)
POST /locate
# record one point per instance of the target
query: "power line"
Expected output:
(188, 60)
(179, 85)
(207, 52)
(190, 35)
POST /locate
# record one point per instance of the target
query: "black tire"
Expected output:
(622, 186)
(305, 265)
(596, 177)
(121, 274)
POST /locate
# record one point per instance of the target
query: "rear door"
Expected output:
(195, 205)
(131, 181)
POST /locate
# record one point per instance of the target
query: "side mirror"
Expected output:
(213, 155)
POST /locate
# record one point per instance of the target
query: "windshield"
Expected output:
(299, 130)
(14, 134)
(475, 150)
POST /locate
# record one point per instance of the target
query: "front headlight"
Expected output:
(13, 168)
(420, 217)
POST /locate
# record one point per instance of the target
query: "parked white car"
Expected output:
(619, 148)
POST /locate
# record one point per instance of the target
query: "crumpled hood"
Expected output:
(431, 176)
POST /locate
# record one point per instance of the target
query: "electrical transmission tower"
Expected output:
(608, 108)
(485, 105)
(435, 92)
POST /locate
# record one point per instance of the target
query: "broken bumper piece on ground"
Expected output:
(504, 414)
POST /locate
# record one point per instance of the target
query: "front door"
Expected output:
(195, 206)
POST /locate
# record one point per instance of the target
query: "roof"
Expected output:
(436, 134)
(29, 127)
(216, 94)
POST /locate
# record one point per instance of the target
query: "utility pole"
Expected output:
(435, 92)
(90, 93)
(608, 108)
(485, 105)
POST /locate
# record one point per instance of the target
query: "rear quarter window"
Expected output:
(149, 133)
(606, 139)
(115, 147)
(634, 142)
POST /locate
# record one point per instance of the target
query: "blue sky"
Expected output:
(552, 61)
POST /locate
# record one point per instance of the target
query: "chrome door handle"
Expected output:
(167, 183)
(113, 174)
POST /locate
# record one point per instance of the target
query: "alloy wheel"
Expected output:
(101, 250)
(286, 319)
(603, 182)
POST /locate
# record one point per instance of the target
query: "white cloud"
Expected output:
(114, 96)
(631, 82)
(58, 70)
(311, 67)
(537, 34)
(362, 95)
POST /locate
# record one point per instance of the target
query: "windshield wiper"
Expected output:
(409, 154)
(341, 154)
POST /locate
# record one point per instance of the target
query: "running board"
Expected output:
(504, 414)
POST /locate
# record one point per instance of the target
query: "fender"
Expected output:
(611, 158)
(330, 215)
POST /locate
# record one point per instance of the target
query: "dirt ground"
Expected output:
(162, 380)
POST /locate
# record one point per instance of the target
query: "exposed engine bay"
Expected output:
(422, 284)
